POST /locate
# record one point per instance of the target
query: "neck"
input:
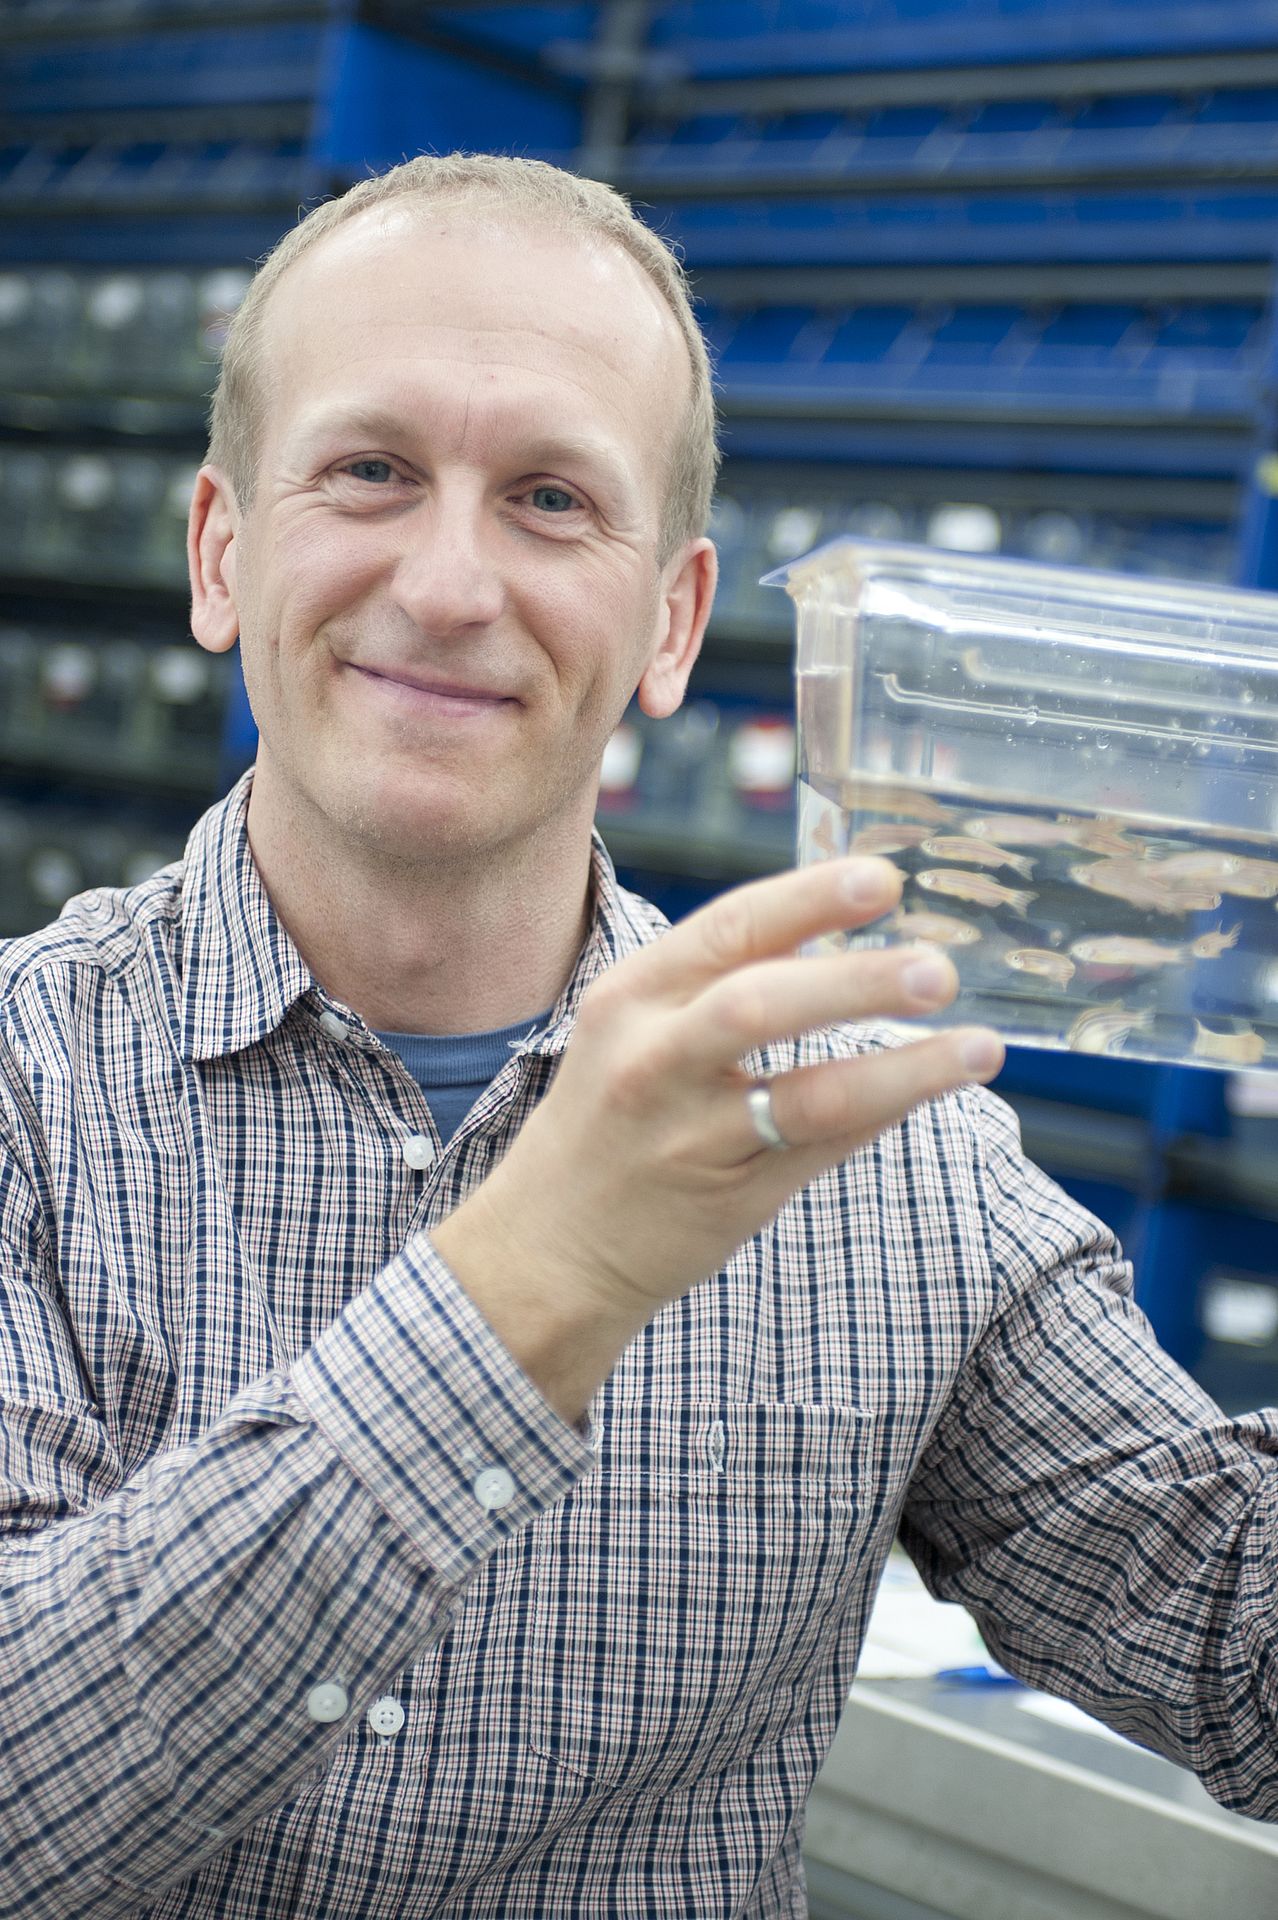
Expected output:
(455, 944)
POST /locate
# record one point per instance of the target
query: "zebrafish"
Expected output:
(979, 853)
(1113, 877)
(889, 838)
(942, 929)
(1024, 830)
(1117, 950)
(1209, 946)
(1042, 961)
(1200, 863)
(1114, 950)
(862, 794)
(1239, 1049)
(1105, 836)
(822, 837)
(977, 887)
(1066, 830)
(1191, 898)
(1252, 880)
(1104, 1029)
(1135, 881)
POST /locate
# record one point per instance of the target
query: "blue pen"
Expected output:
(978, 1677)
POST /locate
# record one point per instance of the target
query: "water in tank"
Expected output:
(1076, 774)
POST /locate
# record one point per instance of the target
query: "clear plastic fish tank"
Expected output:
(1076, 774)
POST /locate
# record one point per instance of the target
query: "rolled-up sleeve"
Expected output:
(1113, 1532)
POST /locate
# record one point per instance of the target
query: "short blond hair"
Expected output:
(496, 182)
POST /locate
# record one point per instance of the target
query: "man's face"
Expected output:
(448, 585)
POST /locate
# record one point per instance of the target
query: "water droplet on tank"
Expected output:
(1247, 696)
(1102, 741)
(1031, 716)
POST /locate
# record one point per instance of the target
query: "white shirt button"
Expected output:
(334, 1026)
(386, 1716)
(494, 1488)
(417, 1151)
(327, 1701)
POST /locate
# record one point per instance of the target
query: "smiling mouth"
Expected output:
(435, 697)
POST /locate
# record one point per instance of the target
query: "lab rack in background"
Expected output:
(995, 276)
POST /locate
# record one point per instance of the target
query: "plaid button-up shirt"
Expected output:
(264, 1468)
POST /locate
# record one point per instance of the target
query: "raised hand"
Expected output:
(644, 1168)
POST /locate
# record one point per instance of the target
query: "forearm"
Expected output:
(1113, 1531)
(1142, 1585)
(164, 1640)
(158, 1653)
(565, 1334)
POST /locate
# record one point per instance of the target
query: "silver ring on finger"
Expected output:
(762, 1119)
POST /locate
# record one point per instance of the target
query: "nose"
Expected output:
(446, 576)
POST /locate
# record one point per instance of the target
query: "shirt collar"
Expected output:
(242, 972)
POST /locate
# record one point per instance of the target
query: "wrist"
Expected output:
(562, 1327)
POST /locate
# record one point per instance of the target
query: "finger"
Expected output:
(768, 918)
(832, 1109)
(779, 999)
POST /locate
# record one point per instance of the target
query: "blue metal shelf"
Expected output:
(712, 39)
(1112, 225)
(736, 37)
(53, 19)
(212, 66)
(995, 444)
(211, 238)
(137, 177)
(1144, 137)
(389, 98)
(1115, 363)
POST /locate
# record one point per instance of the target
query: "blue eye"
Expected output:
(553, 499)
(376, 472)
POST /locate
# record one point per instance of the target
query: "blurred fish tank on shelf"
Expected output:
(1076, 774)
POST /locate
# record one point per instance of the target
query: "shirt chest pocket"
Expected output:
(688, 1591)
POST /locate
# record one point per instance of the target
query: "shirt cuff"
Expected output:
(415, 1392)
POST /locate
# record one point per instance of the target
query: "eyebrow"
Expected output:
(366, 422)
(573, 450)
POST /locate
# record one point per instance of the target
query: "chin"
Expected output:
(409, 827)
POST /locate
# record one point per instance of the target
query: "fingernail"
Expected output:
(862, 882)
(925, 978)
(980, 1054)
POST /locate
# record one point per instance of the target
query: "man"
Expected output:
(465, 1351)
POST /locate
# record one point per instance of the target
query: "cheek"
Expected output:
(290, 615)
(316, 567)
(597, 626)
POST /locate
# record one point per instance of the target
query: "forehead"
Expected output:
(399, 298)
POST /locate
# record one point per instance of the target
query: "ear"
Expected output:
(689, 581)
(211, 528)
